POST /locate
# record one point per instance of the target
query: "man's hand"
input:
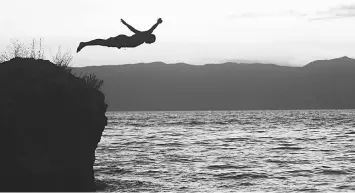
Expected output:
(160, 21)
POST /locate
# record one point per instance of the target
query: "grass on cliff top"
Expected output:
(35, 50)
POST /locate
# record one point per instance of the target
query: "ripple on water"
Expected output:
(287, 148)
(221, 167)
(236, 176)
(332, 172)
(227, 151)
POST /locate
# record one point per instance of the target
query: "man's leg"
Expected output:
(96, 42)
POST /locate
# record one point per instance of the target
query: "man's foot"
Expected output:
(81, 46)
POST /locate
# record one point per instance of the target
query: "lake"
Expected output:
(228, 151)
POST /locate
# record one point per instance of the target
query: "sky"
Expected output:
(285, 32)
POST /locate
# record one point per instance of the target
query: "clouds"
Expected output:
(255, 15)
(343, 11)
(338, 12)
(308, 11)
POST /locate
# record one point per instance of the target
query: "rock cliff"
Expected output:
(50, 124)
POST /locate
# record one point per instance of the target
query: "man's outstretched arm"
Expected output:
(155, 25)
(129, 26)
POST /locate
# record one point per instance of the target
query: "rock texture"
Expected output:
(50, 124)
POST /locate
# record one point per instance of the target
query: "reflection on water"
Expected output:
(228, 151)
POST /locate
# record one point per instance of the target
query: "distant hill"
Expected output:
(322, 84)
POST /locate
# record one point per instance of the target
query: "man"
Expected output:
(123, 41)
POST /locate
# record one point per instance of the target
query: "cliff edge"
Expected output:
(50, 124)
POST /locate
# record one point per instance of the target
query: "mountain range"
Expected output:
(322, 84)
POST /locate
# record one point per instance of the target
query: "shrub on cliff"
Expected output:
(18, 49)
(63, 60)
(93, 81)
(35, 50)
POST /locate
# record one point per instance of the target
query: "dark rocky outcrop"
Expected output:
(50, 124)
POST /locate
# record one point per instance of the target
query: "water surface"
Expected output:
(228, 151)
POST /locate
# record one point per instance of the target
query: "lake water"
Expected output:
(228, 151)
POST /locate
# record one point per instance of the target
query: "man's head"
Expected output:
(150, 39)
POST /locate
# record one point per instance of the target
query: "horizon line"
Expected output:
(233, 62)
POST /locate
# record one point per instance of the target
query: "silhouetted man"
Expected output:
(120, 41)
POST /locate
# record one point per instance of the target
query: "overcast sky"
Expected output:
(291, 32)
